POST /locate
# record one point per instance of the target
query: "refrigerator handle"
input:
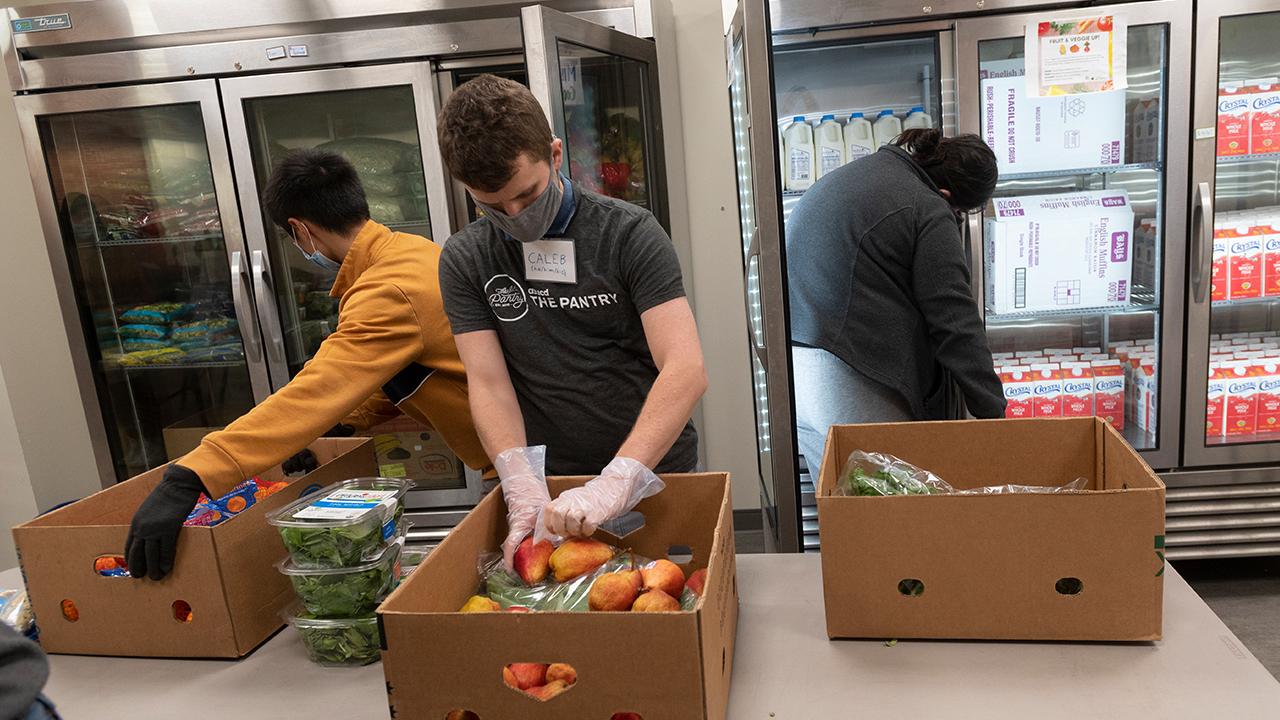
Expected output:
(265, 294)
(1201, 239)
(250, 333)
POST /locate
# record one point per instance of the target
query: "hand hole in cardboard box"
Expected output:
(626, 716)
(680, 554)
(70, 611)
(461, 715)
(111, 566)
(911, 587)
(540, 681)
(1069, 586)
(182, 611)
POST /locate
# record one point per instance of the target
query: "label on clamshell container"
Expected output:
(348, 505)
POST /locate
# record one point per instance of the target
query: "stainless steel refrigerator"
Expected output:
(150, 131)
(806, 59)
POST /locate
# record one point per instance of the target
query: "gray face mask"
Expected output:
(532, 223)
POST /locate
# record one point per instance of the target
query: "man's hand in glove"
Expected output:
(153, 534)
(617, 489)
(524, 487)
(304, 461)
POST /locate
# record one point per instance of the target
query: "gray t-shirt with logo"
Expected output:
(576, 351)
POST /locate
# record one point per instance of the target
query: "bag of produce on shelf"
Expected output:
(139, 330)
(151, 355)
(338, 641)
(156, 313)
(133, 345)
(398, 184)
(881, 474)
(346, 592)
(370, 155)
(226, 352)
(385, 209)
(344, 524)
(206, 331)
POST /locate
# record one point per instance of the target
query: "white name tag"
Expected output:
(550, 261)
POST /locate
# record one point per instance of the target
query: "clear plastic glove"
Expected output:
(617, 489)
(524, 487)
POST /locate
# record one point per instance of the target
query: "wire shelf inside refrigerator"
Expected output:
(1142, 303)
(1073, 172)
(164, 240)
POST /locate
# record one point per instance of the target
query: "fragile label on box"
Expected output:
(1037, 134)
(1059, 252)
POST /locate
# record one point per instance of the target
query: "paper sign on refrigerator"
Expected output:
(1072, 56)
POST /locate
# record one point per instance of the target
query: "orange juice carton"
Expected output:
(1108, 392)
(1047, 390)
(1215, 401)
(1077, 389)
(1018, 391)
(1233, 119)
(1241, 412)
(1264, 118)
(1268, 370)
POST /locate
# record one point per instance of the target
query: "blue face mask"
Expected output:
(322, 261)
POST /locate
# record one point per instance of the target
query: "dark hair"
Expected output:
(318, 186)
(963, 165)
(487, 123)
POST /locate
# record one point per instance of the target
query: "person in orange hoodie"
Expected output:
(392, 352)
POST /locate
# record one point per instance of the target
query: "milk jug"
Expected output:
(830, 141)
(917, 118)
(858, 139)
(800, 163)
(887, 127)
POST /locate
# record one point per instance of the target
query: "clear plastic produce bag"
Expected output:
(881, 474)
(508, 590)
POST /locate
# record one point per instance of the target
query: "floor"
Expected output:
(1244, 592)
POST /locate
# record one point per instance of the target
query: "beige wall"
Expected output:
(709, 211)
(45, 451)
(19, 503)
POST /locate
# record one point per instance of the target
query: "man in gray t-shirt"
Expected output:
(570, 316)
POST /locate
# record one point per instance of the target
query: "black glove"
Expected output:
(304, 461)
(153, 534)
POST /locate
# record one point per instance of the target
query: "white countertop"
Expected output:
(784, 668)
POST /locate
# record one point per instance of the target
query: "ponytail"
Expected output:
(963, 165)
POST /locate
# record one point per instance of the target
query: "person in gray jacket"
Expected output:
(882, 313)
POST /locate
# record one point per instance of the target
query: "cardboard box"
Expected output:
(405, 448)
(1059, 252)
(673, 666)
(226, 574)
(1039, 134)
(183, 436)
(995, 567)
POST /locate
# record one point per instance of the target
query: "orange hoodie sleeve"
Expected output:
(378, 334)
(375, 411)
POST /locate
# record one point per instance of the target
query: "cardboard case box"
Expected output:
(226, 573)
(672, 666)
(996, 567)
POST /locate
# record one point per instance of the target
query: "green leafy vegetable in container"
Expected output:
(344, 524)
(350, 641)
(346, 592)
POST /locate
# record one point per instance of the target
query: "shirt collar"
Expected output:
(568, 206)
(359, 257)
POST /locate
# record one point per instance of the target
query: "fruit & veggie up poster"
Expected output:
(1073, 56)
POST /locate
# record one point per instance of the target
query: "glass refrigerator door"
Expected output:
(141, 207)
(1082, 292)
(1233, 347)
(600, 90)
(376, 117)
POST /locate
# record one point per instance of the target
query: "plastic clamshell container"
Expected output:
(344, 524)
(346, 592)
(337, 642)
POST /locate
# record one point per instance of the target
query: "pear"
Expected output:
(664, 575)
(614, 591)
(563, 672)
(518, 609)
(578, 556)
(655, 601)
(531, 560)
(697, 581)
(480, 603)
(548, 691)
(528, 675)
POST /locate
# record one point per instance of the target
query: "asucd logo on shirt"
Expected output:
(507, 298)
